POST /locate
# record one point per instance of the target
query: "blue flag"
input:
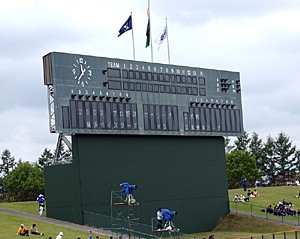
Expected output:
(126, 26)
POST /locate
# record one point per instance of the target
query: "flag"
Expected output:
(162, 36)
(148, 30)
(126, 26)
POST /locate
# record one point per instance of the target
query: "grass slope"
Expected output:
(10, 224)
(232, 226)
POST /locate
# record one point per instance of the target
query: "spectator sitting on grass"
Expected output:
(255, 193)
(287, 203)
(22, 231)
(270, 209)
(240, 198)
(34, 230)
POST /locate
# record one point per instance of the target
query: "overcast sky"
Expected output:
(259, 39)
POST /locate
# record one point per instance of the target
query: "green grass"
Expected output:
(10, 224)
(27, 207)
(232, 226)
(267, 196)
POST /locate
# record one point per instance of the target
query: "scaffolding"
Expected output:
(122, 211)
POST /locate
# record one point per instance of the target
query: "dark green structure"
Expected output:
(158, 126)
(186, 174)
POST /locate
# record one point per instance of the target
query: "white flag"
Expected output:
(162, 36)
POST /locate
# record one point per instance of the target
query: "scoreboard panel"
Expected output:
(100, 95)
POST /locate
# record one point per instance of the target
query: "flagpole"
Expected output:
(168, 40)
(133, 48)
(150, 32)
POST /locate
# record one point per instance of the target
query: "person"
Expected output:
(244, 184)
(159, 217)
(270, 209)
(23, 231)
(60, 235)
(41, 210)
(255, 193)
(168, 217)
(211, 237)
(34, 230)
(236, 198)
(91, 234)
(41, 201)
(97, 237)
(250, 194)
(257, 184)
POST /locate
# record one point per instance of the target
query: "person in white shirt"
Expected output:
(159, 217)
(60, 235)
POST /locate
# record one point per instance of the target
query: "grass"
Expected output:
(28, 207)
(232, 226)
(10, 224)
(268, 196)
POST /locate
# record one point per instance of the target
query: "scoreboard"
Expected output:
(100, 95)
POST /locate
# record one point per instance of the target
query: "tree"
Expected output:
(227, 145)
(256, 149)
(268, 167)
(297, 159)
(48, 158)
(242, 142)
(25, 176)
(8, 162)
(240, 164)
(64, 156)
(45, 159)
(285, 163)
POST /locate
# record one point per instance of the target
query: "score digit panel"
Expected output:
(99, 95)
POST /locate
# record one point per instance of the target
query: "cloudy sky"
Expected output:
(259, 39)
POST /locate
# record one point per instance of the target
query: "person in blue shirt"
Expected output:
(244, 184)
(41, 201)
(168, 217)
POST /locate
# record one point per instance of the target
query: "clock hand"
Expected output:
(80, 76)
(82, 70)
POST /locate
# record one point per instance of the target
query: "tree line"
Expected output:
(23, 181)
(275, 161)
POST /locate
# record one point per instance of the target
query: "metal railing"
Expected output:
(127, 228)
(258, 211)
(278, 235)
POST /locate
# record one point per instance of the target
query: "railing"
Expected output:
(249, 209)
(127, 228)
(277, 235)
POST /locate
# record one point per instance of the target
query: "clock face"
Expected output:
(82, 72)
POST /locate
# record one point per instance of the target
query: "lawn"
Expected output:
(232, 226)
(10, 224)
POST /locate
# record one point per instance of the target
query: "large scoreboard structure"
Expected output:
(98, 95)
(158, 126)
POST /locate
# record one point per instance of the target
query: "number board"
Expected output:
(99, 95)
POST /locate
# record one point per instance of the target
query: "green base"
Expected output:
(185, 174)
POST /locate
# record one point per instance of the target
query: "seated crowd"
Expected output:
(282, 209)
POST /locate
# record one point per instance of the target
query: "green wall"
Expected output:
(62, 192)
(186, 174)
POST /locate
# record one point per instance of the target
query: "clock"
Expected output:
(82, 72)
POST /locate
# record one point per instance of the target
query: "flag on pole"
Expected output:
(148, 29)
(162, 36)
(126, 26)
